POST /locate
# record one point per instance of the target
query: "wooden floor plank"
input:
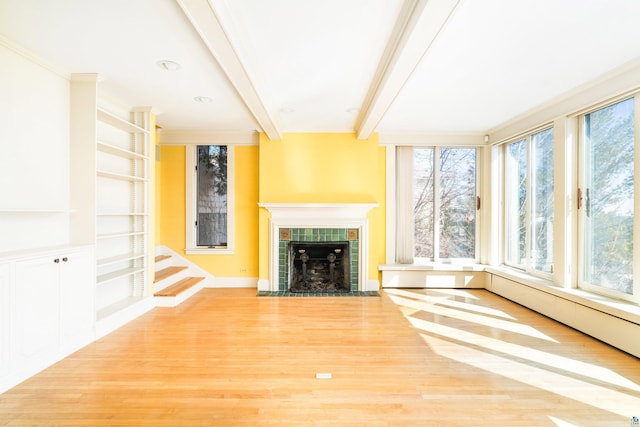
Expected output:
(423, 357)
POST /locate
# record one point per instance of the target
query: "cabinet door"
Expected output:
(77, 308)
(36, 310)
(6, 297)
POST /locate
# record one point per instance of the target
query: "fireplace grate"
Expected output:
(318, 294)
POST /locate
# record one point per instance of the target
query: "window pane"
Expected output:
(608, 197)
(457, 202)
(423, 202)
(542, 203)
(212, 195)
(515, 202)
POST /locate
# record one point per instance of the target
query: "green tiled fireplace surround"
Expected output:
(317, 235)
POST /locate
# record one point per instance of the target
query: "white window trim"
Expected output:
(190, 212)
(397, 246)
(581, 284)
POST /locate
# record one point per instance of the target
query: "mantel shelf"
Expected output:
(318, 210)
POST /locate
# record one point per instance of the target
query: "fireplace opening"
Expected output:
(319, 267)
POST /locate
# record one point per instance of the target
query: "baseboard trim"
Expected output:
(234, 282)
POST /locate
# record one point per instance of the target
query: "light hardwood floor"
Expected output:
(408, 358)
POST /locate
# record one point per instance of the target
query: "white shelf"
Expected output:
(123, 234)
(120, 176)
(119, 123)
(122, 214)
(104, 278)
(34, 211)
(105, 147)
(119, 258)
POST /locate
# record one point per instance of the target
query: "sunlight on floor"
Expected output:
(547, 360)
(480, 319)
(442, 321)
(560, 423)
(444, 298)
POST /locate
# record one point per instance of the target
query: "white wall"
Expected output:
(34, 153)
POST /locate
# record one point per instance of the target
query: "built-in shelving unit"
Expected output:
(122, 223)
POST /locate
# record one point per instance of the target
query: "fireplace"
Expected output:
(318, 230)
(319, 267)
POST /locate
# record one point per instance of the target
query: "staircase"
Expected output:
(175, 280)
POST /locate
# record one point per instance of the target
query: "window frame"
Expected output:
(528, 266)
(581, 212)
(407, 226)
(191, 161)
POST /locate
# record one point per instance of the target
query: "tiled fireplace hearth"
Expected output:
(315, 246)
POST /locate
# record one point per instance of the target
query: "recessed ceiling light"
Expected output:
(167, 65)
(203, 99)
(352, 110)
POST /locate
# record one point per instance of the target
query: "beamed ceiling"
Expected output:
(363, 66)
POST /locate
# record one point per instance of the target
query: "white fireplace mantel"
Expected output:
(311, 215)
(314, 211)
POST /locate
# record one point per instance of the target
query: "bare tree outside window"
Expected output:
(423, 202)
(454, 190)
(457, 203)
(212, 195)
(515, 203)
(608, 197)
(542, 200)
(529, 196)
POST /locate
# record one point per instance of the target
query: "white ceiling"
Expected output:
(416, 66)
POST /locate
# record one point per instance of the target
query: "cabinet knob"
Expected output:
(57, 260)
(65, 259)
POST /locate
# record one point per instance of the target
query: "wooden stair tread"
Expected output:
(179, 287)
(166, 272)
(162, 257)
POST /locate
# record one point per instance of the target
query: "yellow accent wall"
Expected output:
(324, 168)
(301, 168)
(244, 262)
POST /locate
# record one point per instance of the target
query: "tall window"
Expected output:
(209, 198)
(529, 202)
(607, 198)
(443, 192)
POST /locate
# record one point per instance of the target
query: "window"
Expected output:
(529, 202)
(443, 196)
(607, 198)
(209, 199)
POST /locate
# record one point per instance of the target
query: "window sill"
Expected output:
(209, 251)
(625, 310)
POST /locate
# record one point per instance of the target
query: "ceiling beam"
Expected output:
(209, 25)
(417, 26)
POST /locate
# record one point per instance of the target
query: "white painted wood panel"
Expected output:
(6, 292)
(77, 300)
(37, 313)
(34, 154)
(433, 279)
(46, 309)
(606, 327)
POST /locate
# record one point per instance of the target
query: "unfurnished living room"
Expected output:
(319, 213)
